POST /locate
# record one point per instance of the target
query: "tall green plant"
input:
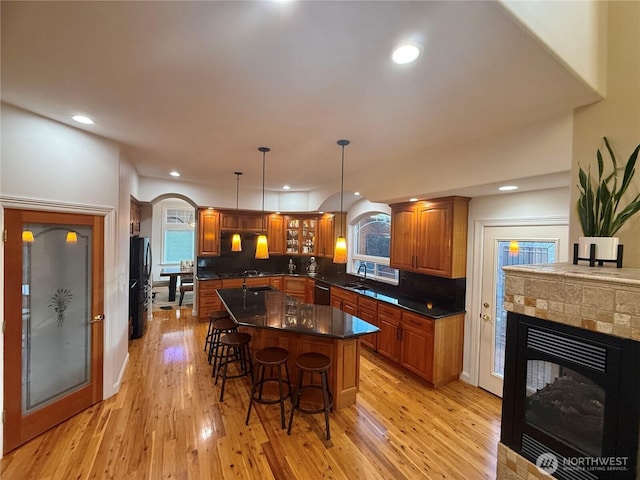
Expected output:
(598, 203)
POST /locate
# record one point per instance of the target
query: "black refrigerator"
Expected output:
(139, 285)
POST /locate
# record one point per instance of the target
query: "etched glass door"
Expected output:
(56, 312)
(53, 309)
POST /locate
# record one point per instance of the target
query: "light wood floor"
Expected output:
(166, 422)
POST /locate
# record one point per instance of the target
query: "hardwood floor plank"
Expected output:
(167, 422)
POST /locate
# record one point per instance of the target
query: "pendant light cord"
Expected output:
(237, 187)
(342, 143)
(264, 151)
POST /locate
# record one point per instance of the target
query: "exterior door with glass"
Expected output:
(53, 300)
(502, 246)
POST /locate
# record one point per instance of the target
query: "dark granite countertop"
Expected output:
(427, 307)
(263, 307)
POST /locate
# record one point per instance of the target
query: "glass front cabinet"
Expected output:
(300, 234)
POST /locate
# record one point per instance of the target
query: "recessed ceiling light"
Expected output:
(406, 53)
(83, 119)
(174, 174)
(507, 188)
(413, 199)
(286, 187)
(357, 194)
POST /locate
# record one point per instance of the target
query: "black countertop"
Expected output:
(427, 307)
(263, 307)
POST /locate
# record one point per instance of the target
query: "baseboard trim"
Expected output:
(116, 386)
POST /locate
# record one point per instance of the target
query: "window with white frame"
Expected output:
(178, 234)
(371, 246)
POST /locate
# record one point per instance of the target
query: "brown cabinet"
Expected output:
(300, 234)
(389, 337)
(276, 282)
(275, 233)
(208, 232)
(430, 237)
(417, 345)
(329, 227)
(310, 290)
(344, 300)
(134, 217)
(242, 221)
(296, 287)
(368, 311)
(207, 300)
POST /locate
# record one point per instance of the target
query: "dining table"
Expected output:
(173, 273)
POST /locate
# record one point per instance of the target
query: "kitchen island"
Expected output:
(275, 319)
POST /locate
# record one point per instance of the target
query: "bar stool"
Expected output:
(235, 349)
(312, 362)
(213, 316)
(219, 328)
(270, 357)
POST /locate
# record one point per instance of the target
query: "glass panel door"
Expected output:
(56, 312)
(53, 310)
(503, 246)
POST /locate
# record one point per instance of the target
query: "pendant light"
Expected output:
(236, 242)
(340, 252)
(262, 248)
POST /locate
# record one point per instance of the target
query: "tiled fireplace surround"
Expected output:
(601, 299)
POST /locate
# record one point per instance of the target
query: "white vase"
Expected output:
(606, 247)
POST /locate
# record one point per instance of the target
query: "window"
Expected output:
(178, 235)
(371, 246)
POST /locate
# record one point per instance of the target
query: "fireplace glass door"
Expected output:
(566, 405)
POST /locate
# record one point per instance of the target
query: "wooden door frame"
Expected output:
(474, 281)
(76, 401)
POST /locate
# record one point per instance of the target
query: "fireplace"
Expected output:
(571, 401)
(566, 393)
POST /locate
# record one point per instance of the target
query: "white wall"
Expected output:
(574, 31)
(617, 117)
(50, 166)
(514, 208)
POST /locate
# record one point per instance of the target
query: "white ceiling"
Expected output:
(198, 86)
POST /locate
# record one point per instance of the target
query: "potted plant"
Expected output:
(599, 210)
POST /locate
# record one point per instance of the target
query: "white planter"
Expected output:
(606, 247)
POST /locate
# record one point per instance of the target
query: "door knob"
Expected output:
(486, 318)
(97, 318)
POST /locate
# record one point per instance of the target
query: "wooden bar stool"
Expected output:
(312, 363)
(270, 357)
(219, 328)
(235, 349)
(213, 316)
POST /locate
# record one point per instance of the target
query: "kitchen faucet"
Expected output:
(362, 264)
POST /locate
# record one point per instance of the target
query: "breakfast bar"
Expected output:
(275, 319)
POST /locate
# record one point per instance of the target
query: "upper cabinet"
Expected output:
(242, 221)
(208, 232)
(300, 234)
(329, 227)
(275, 234)
(134, 217)
(430, 236)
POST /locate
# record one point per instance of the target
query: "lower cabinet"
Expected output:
(430, 348)
(368, 311)
(207, 300)
(344, 300)
(417, 345)
(389, 339)
(296, 287)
